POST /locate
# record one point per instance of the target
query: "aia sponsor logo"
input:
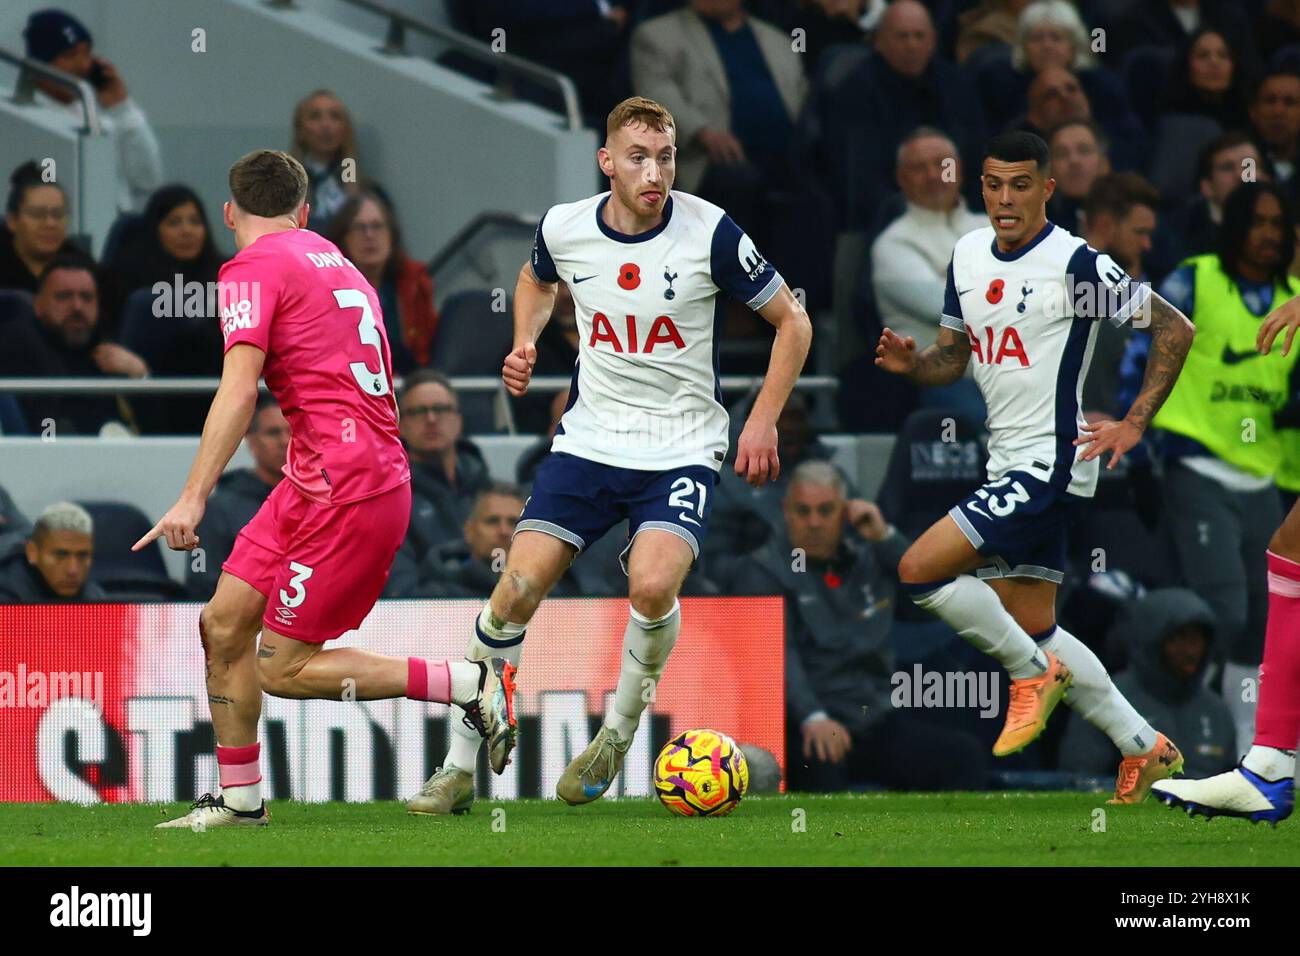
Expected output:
(994, 348)
(662, 331)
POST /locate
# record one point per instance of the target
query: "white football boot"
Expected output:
(1237, 793)
(210, 812)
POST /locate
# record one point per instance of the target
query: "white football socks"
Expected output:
(248, 797)
(462, 754)
(972, 609)
(1095, 698)
(646, 645)
(1270, 762)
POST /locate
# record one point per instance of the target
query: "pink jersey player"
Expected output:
(294, 296)
(342, 515)
(314, 559)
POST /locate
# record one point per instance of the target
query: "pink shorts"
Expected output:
(321, 567)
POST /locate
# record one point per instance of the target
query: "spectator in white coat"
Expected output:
(62, 41)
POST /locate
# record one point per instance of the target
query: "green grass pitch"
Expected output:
(967, 829)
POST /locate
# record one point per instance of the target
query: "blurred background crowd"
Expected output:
(845, 137)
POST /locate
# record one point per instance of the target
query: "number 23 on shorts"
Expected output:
(999, 506)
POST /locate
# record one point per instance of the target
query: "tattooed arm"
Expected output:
(1171, 339)
(941, 364)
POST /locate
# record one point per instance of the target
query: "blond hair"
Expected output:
(642, 111)
(298, 148)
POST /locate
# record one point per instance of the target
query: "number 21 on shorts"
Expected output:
(680, 497)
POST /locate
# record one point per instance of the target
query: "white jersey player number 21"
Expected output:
(680, 497)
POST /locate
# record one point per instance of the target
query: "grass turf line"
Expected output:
(965, 829)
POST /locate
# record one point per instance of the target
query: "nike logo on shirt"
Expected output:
(1236, 358)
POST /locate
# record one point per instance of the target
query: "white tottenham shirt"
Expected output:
(645, 391)
(1030, 316)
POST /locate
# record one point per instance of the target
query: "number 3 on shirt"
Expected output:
(372, 383)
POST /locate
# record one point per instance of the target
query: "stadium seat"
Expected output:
(125, 574)
(871, 400)
(850, 272)
(12, 421)
(927, 474)
(473, 339)
(1179, 137)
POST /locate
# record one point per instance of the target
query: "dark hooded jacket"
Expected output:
(1196, 719)
(21, 583)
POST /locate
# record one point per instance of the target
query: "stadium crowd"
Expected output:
(821, 126)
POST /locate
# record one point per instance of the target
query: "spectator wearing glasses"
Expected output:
(238, 495)
(447, 473)
(367, 232)
(36, 229)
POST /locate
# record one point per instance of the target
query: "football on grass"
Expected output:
(701, 773)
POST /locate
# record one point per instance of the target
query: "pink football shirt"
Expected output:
(298, 299)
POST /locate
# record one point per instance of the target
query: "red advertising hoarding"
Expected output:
(107, 702)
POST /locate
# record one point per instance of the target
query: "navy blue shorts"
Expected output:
(577, 500)
(1021, 523)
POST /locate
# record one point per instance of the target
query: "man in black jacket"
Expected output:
(238, 496)
(857, 121)
(58, 558)
(65, 340)
(746, 516)
(835, 563)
